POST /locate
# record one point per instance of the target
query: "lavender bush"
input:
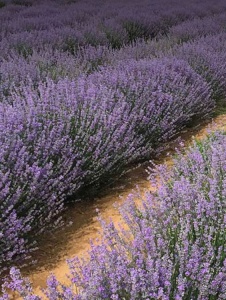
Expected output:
(173, 246)
(58, 139)
(49, 150)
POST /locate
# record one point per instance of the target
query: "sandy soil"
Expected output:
(74, 240)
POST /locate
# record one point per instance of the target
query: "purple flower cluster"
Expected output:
(173, 246)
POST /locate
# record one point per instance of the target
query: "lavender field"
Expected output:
(87, 89)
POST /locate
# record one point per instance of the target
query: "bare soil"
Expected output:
(74, 240)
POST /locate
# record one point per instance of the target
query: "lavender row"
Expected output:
(198, 27)
(208, 58)
(60, 138)
(66, 27)
(56, 64)
(174, 244)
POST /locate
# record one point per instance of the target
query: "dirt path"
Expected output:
(74, 240)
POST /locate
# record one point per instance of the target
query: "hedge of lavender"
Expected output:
(198, 27)
(58, 39)
(32, 24)
(174, 244)
(60, 138)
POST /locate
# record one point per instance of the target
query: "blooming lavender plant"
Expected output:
(59, 138)
(49, 150)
